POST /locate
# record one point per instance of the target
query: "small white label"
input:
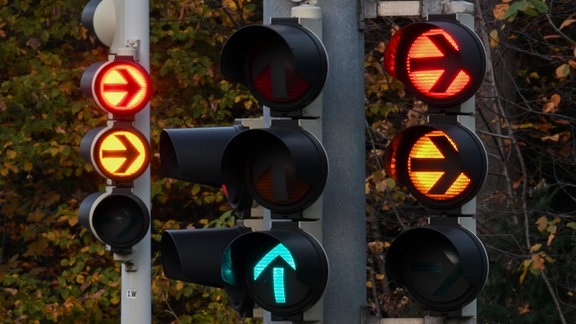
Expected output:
(131, 293)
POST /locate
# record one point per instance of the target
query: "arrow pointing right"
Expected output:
(131, 87)
(130, 153)
(450, 62)
(449, 164)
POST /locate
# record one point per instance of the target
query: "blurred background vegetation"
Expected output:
(53, 270)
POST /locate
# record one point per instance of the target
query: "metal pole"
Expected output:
(136, 293)
(344, 234)
(344, 227)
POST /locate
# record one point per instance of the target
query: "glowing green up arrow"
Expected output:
(277, 273)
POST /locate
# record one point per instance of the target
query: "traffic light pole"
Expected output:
(464, 11)
(136, 288)
(343, 235)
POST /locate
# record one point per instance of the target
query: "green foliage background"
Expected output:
(525, 116)
(53, 270)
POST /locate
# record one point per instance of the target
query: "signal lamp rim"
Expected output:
(99, 165)
(307, 155)
(472, 56)
(93, 77)
(87, 214)
(470, 251)
(308, 253)
(470, 148)
(236, 60)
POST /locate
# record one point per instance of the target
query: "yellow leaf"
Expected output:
(376, 246)
(27, 166)
(523, 275)
(72, 221)
(179, 285)
(500, 10)
(538, 261)
(535, 247)
(542, 222)
(562, 71)
(494, 39)
(11, 154)
(115, 300)
(551, 238)
(567, 22)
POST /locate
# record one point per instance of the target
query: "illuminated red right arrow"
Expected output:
(129, 85)
(450, 62)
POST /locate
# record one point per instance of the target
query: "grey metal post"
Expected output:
(344, 139)
(343, 136)
(136, 293)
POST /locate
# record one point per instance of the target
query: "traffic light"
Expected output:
(441, 62)
(443, 164)
(282, 167)
(117, 218)
(284, 270)
(99, 17)
(444, 266)
(121, 87)
(284, 65)
(285, 172)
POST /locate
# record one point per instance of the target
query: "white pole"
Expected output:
(136, 299)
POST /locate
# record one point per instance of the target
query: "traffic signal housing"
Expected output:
(284, 270)
(282, 167)
(443, 164)
(443, 266)
(99, 17)
(440, 62)
(285, 172)
(117, 218)
(284, 65)
(121, 87)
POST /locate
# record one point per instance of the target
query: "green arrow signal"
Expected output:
(277, 273)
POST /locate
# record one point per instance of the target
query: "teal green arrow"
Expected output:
(277, 273)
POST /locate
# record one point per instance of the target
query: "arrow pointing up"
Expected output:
(280, 251)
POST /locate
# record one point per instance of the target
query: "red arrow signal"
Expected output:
(120, 87)
(126, 89)
(435, 66)
(440, 62)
